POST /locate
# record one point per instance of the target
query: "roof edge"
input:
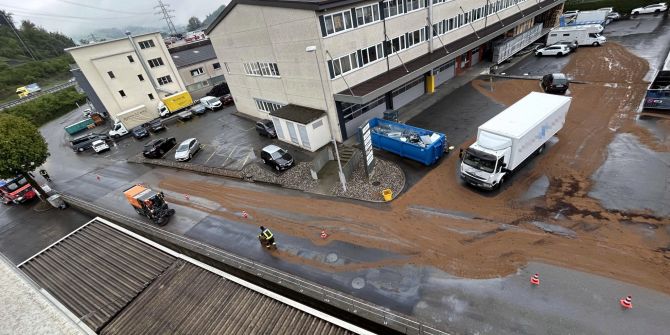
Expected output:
(109, 41)
(265, 3)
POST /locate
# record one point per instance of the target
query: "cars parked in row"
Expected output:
(158, 147)
(185, 115)
(155, 125)
(85, 142)
(650, 9)
(276, 157)
(198, 109)
(553, 50)
(187, 149)
(266, 128)
(211, 103)
(227, 99)
(139, 132)
(99, 146)
(555, 83)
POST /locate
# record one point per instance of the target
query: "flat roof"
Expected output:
(396, 77)
(109, 41)
(299, 114)
(194, 55)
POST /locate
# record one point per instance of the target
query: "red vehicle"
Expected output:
(16, 190)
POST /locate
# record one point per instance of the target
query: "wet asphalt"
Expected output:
(567, 301)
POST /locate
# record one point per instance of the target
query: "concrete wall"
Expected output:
(97, 59)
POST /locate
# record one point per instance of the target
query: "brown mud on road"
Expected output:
(428, 225)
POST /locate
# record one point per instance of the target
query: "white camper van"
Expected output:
(511, 137)
(580, 34)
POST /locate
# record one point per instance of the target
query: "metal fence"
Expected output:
(371, 312)
(17, 102)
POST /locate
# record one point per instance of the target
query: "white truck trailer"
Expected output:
(509, 138)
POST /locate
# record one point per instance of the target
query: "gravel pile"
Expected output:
(386, 175)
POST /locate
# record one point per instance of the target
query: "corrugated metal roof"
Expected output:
(96, 271)
(193, 56)
(188, 299)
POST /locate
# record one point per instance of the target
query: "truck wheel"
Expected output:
(559, 54)
(636, 13)
(116, 136)
(540, 150)
(500, 183)
(539, 54)
(595, 44)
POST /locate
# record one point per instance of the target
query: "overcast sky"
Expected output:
(76, 17)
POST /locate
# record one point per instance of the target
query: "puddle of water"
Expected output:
(537, 189)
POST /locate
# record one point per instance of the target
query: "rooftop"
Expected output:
(110, 41)
(299, 114)
(194, 55)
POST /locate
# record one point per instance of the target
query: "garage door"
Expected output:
(352, 125)
(444, 73)
(408, 92)
(475, 56)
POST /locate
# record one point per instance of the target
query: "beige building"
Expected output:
(198, 67)
(371, 56)
(128, 76)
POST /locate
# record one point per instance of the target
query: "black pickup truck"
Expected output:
(85, 142)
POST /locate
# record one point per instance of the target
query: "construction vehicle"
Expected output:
(267, 239)
(16, 190)
(149, 203)
(28, 90)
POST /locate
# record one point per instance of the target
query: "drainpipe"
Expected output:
(144, 66)
(430, 26)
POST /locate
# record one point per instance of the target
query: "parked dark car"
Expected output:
(83, 143)
(555, 83)
(139, 132)
(572, 45)
(185, 115)
(155, 126)
(198, 109)
(227, 99)
(158, 147)
(219, 90)
(276, 157)
(265, 127)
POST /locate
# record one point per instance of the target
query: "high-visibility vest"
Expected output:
(267, 234)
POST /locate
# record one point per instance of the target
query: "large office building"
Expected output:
(127, 77)
(353, 60)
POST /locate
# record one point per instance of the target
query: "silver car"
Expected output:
(187, 149)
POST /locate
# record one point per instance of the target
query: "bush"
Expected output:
(49, 106)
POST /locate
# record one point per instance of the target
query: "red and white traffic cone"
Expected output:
(626, 302)
(324, 235)
(187, 197)
(245, 215)
(535, 279)
(97, 176)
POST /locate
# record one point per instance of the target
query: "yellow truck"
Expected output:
(27, 90)
(174, 103)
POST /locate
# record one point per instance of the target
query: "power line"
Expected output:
(27, 13)
(165, 12)
(100, 8)
(11, 25)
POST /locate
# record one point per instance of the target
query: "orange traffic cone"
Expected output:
(626, 302)
(186, 196)
(535, 279)
(244, 214)
(324, 235)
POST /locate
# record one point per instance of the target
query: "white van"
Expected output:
(574, 34)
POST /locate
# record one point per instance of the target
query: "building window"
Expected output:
(111, 74)
(216, 66)
(122, 93)
(267, 106)
(317, 124)
(352, 111)
(156, 62)
(261, 69)
(367, 14)
(197, 72)
(335, 23)
(140, 77)
(342, 65)
(130, 59)
(151, 96)
(146, 44)
(393, 8)
(164, 80)
(411, 5)
(406, 87)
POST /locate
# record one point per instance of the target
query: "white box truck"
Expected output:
(509, 138)
(125, 121)
(582, 35)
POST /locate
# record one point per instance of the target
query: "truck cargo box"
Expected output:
(421, 145)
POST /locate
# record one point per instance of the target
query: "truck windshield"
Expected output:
(479, 162)
(15, 185)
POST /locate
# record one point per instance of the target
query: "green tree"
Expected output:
(193, 24)
(22, 149)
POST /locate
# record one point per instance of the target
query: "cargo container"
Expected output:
(86, 123)
(509, 138)
(421, 145)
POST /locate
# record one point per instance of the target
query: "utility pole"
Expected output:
(11, 25)
(165, 12)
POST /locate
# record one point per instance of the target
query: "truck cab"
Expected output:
(484, 168)
(118, 130)
(16, 190)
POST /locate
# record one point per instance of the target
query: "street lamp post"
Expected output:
(312, 49)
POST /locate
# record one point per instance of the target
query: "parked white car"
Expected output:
(100, 146)
(655, 8)
(553, 50)
(211, 103)
(187, 149)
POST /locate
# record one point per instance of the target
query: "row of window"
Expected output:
(146, 44)
(352, 18)
(406, 87)
(352, 111)
(261, 69)
(155, 62)
(267, 106)
(362, 57)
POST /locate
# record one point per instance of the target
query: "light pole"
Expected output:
(343, 181)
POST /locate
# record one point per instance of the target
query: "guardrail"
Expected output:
(336, 299)
(37, 95)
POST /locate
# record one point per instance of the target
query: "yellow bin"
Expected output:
(387, 194)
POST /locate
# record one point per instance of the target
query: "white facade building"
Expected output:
(370, 57)
(128, 76)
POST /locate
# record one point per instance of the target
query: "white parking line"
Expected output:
(231, 153)
(246, 158)
(210, 156)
